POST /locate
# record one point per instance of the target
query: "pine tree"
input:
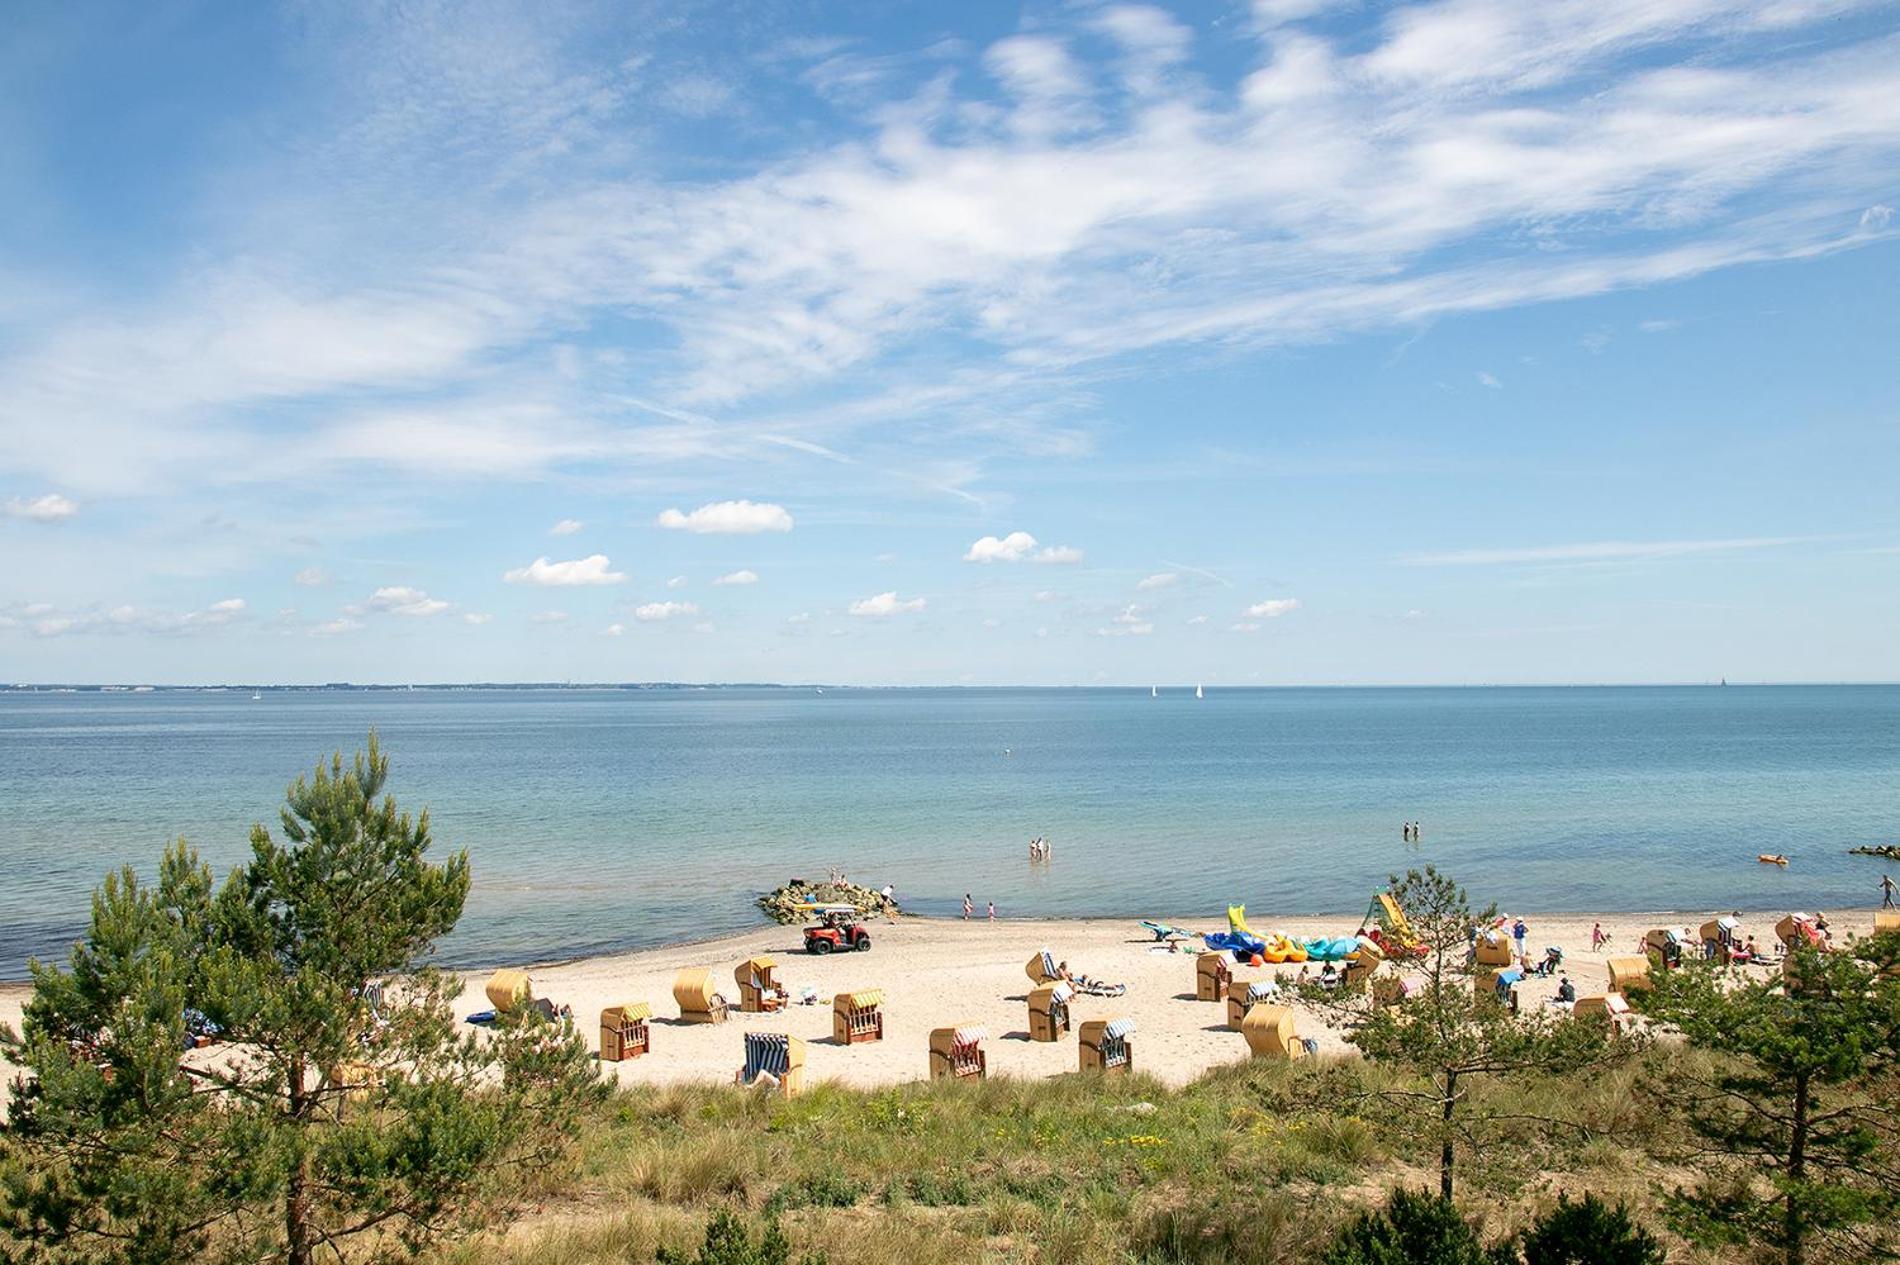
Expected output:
(1796, 1113)
(1450, 1034)
(343, 1107)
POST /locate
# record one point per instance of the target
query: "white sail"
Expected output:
(1153, 692)
(1198, 693)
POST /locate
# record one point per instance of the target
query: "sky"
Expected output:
(1270, 343)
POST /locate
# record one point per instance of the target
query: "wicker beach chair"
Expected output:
(1243, 995)
(1271, 1034)
(509, 989)
(1495, 948)
(957, 1053)
(624, 1032)
(698, 1003)
(1628, 973)
(759, 989)
(1049, 1011)
(1104, 1046)
(774, 1059)
(858, 1016)
(1042, 968)
(1612, 1008)
(1211, 973)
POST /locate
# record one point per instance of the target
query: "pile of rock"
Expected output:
(790, 904)
(1889, 850)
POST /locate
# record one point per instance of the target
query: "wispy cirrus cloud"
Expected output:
(1601, 551)
(50, 508)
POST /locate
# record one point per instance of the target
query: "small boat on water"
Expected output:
(1198, 692)
(256, 698)
(1771, 858)
(1154, 692)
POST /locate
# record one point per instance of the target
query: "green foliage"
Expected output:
(343, 1105)
(1452, 1032)
(728, 1242)
(1798, 1137)
(1414, 1228)
(1589, 1232)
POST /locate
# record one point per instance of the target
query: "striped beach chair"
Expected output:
(1104, 1045)
(1041, 969)
(775, 1059)
(1049, 1011)
(1243, 995)
(957, 1053)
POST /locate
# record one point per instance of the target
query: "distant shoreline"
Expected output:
(578, 687)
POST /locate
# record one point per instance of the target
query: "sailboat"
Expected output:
(257, 698)
(1198, 693)
(1153, 692)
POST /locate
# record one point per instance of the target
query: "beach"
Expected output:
(941, 972)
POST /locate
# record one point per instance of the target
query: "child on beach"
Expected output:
(968, 907)
(992, 911)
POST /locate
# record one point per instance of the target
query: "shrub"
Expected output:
(728, 1242)
(1589, 1232)
(1414, 1228)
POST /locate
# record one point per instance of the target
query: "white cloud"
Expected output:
(659, 612)
(1487, 379)
(886, 604)
(593, 569)
(677, 582)
(1876, 217)
(43, 619)
(1160, 580)
(335, 627)
(728, 518)
(399, 599)
(1017, 546)
(229, 606)
(1132, 622)
(476, 618)
(1273, 608)
(311, 578)
(1413, 615)
(614, 630)
(1245, 626)
(1197, 620)
(1011, 548)
(50, 508)
(566, 527)
(551, 617)
(1599, 551)
(737, 578)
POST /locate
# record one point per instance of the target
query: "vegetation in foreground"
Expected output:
(347, 1119)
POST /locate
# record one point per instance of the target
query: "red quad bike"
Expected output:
(837, 928)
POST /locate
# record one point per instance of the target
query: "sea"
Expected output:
(614, 818)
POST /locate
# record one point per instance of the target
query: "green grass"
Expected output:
(1253, 1164)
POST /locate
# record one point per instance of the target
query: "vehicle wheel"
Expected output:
(821, 947)
(864, 943)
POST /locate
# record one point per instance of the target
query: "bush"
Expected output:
(728, 1242)
(1589, 1232)
(1414, 1228)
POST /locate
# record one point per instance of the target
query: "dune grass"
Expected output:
(1254, 1164)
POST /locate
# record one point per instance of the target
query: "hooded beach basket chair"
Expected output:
(759, 989)
(1104, 1045)
(858, 1016)
(1211, 973)
(1041, 968)
(775, 1055)
(1612, 1008)
(1243, 995)
(957, 1053)
(1049, 1011)
(624, 1033)
(509, 989)
(1628, 973)
(1270, 1033)
(1495, 948)
(1797, 931)
(698, 1003)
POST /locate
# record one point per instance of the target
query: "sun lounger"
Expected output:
(1049, 1011)
(1104, 1045)
(698, 1003)
(759, 989)
(858, 1016)
(1041, 968)
(508, 989)
(957, 1053)
(1270, 1033)
(623, 1031)
(1628, 973)
(774, 1060)
(1211, 973)
(1243, 995)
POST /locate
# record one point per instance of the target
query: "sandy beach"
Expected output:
(937, 972)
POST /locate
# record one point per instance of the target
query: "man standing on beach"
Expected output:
(1519, 933)
(1886, 891)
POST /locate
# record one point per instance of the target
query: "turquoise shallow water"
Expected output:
(602, 819)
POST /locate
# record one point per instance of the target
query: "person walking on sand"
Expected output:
(992, 911)
(890, 902)
(968, 907)
(1886, 891)
(1597, 938)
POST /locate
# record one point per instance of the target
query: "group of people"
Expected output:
(1039, 849)
(969, 907)
(1409, 832)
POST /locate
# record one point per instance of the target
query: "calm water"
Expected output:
(608, 819)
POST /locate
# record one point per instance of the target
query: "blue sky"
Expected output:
(1059, 343)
